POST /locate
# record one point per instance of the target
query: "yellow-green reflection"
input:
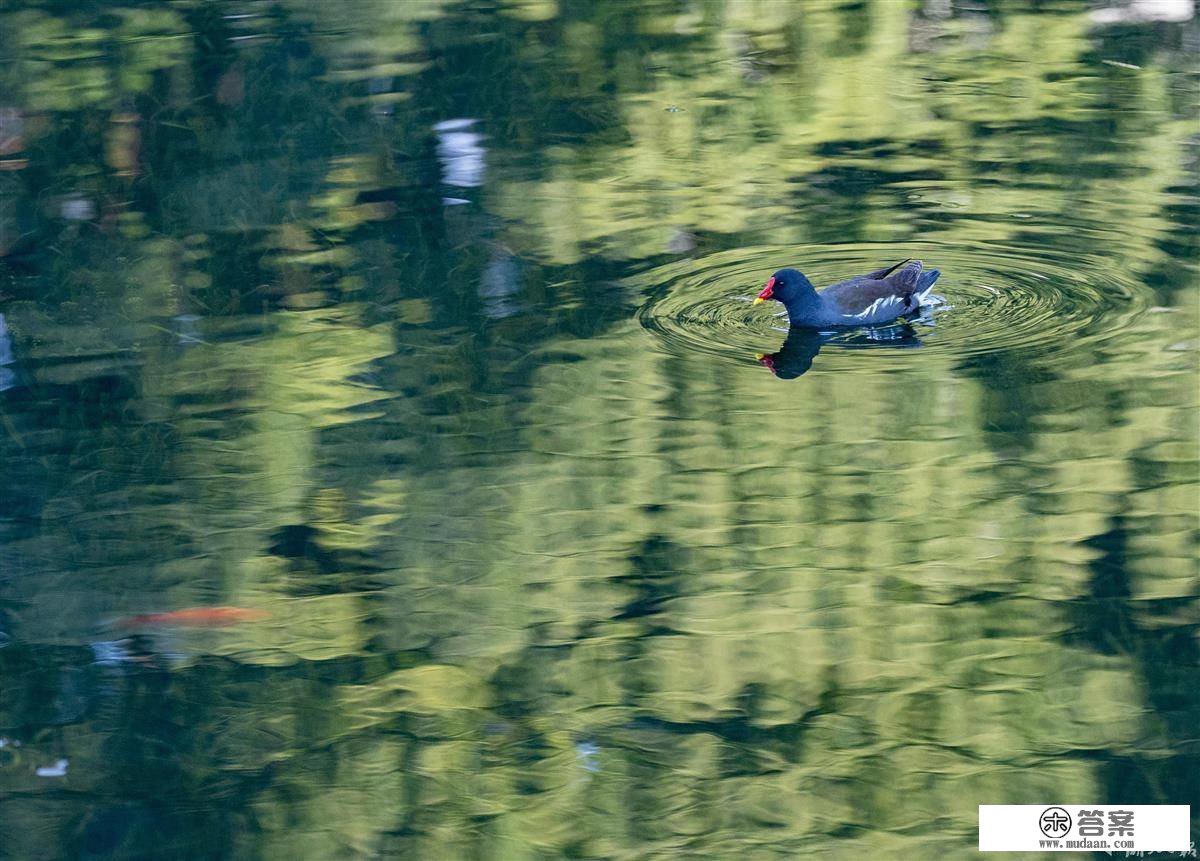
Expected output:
(542, 581)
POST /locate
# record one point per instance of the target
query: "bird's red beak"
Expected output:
(768, 292)
(766, 361)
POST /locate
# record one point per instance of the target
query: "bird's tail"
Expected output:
(925, 283)
(916, 283)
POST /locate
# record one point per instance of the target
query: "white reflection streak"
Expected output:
(59, 769)
(461, 153)
(1146, 11)
(7, 377)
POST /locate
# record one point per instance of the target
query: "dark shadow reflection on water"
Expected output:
(795, 356)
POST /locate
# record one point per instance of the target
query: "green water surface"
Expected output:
(421, 329)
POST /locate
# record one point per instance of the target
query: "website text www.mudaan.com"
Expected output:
(1085, 843)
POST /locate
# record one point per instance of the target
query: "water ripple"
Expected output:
(1000, 298)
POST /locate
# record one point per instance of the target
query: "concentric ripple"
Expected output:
(996, 299)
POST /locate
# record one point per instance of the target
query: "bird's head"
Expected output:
(785, 286)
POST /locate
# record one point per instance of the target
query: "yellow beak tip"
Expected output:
(758, 357)
(758, 301)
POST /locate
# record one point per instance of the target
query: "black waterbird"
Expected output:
(864, 300)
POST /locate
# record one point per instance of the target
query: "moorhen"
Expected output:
(864, 300)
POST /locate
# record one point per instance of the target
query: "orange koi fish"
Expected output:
(196, 617)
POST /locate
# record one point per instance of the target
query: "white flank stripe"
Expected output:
(878, 305)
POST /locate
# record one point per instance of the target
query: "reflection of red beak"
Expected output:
(767, 362)
(768, 292)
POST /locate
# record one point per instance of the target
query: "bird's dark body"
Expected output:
(864, 300)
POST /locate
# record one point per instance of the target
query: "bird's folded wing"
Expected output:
(864, 299)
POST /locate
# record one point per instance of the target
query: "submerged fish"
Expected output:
(196, 617)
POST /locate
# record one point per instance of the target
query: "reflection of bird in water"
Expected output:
(795, 357)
